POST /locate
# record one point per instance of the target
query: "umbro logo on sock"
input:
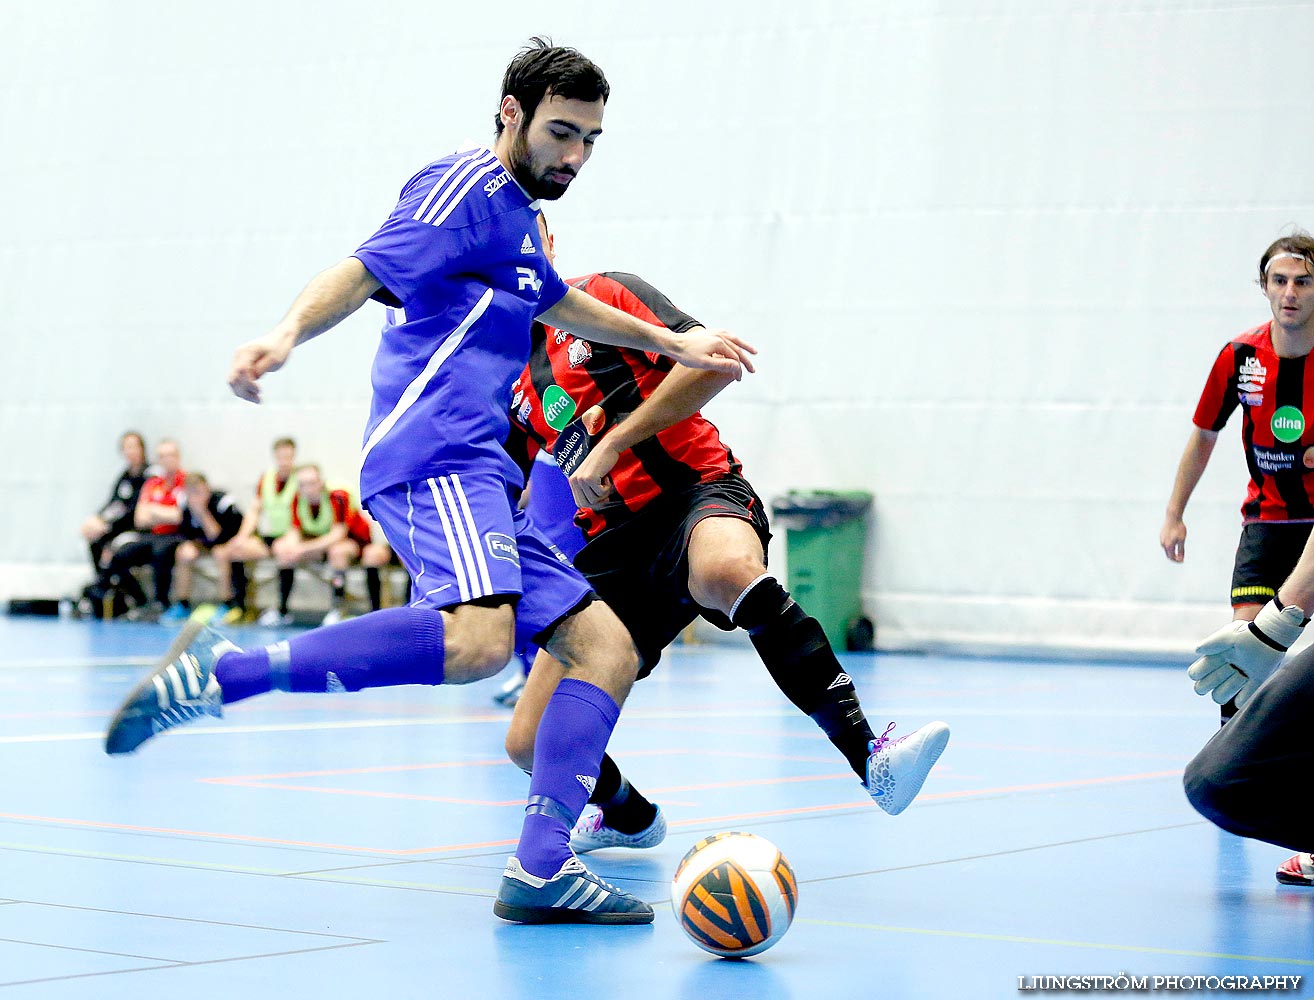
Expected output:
(588, 783)
(528, 245)
(840, 681)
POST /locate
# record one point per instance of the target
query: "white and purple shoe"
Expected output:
(897, 769)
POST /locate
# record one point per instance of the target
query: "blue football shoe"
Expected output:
(574, 895)
(180, 689)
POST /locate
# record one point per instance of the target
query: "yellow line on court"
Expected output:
(1016, 939)
(140, 859)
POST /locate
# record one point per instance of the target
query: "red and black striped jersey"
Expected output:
(1273, 393)
(571, 384)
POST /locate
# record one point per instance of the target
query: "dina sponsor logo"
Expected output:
(1288, 424)
(558, 407)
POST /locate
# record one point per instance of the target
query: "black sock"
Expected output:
(375, 587)
(798, 656)
(339, 587)
(623, 806)
(285, 580)
(238, 600)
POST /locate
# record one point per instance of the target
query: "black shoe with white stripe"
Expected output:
(574, 895)
(180, 689)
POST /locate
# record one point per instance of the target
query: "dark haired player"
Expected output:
(675, 531)
(1264, 371)
(1249, 778)
(460, 267)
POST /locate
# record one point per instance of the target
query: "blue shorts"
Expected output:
(462, 538)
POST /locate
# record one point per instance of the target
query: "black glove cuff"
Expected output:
(1277, 601)
(1258, 634)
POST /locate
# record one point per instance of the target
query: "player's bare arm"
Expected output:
(331, 297)
(1172, 536)
(714, 350)
(682, 393)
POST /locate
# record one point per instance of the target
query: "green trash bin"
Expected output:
(826, 535)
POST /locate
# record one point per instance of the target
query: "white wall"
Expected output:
(988, 251)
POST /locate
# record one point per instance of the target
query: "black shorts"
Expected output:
(641, 567)
(1265, 556)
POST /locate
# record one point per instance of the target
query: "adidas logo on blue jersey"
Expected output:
(528, 245)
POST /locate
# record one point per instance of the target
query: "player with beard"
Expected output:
(463, 274)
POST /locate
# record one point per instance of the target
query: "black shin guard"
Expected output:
(286, 578)
(238, 598)
(798, 656)
(623, 806)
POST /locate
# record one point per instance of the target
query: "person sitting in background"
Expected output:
(268, 518)
(111, 526)
(210, 518)
(115, 517)
(157, 518)
(326, 525)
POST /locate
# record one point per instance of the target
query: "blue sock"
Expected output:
(572, 736)
(381, 649)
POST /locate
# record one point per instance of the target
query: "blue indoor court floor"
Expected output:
(351, 845)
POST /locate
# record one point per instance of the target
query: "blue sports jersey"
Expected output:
(463, 271)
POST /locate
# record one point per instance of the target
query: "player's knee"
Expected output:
(520, 745)
(1214, 794)
(478, 643)
(718, 582)
(615, 657)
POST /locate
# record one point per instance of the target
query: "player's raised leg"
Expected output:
(727, 572)
(449, 634)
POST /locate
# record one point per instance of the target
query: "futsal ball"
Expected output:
(734, 894)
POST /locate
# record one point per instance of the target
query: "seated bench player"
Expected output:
(326, 527)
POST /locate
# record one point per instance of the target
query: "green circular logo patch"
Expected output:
(559, 408)
(1288, 424)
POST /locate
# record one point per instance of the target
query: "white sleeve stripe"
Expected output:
(452, 180)
(464, 532)
(421, 381)
(450, 183)
(452, 205)
(474, 535)
(466, 162)
(461, 581)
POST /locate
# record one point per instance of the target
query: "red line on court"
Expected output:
(371, 794)
(253, 779)
(695, 821)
